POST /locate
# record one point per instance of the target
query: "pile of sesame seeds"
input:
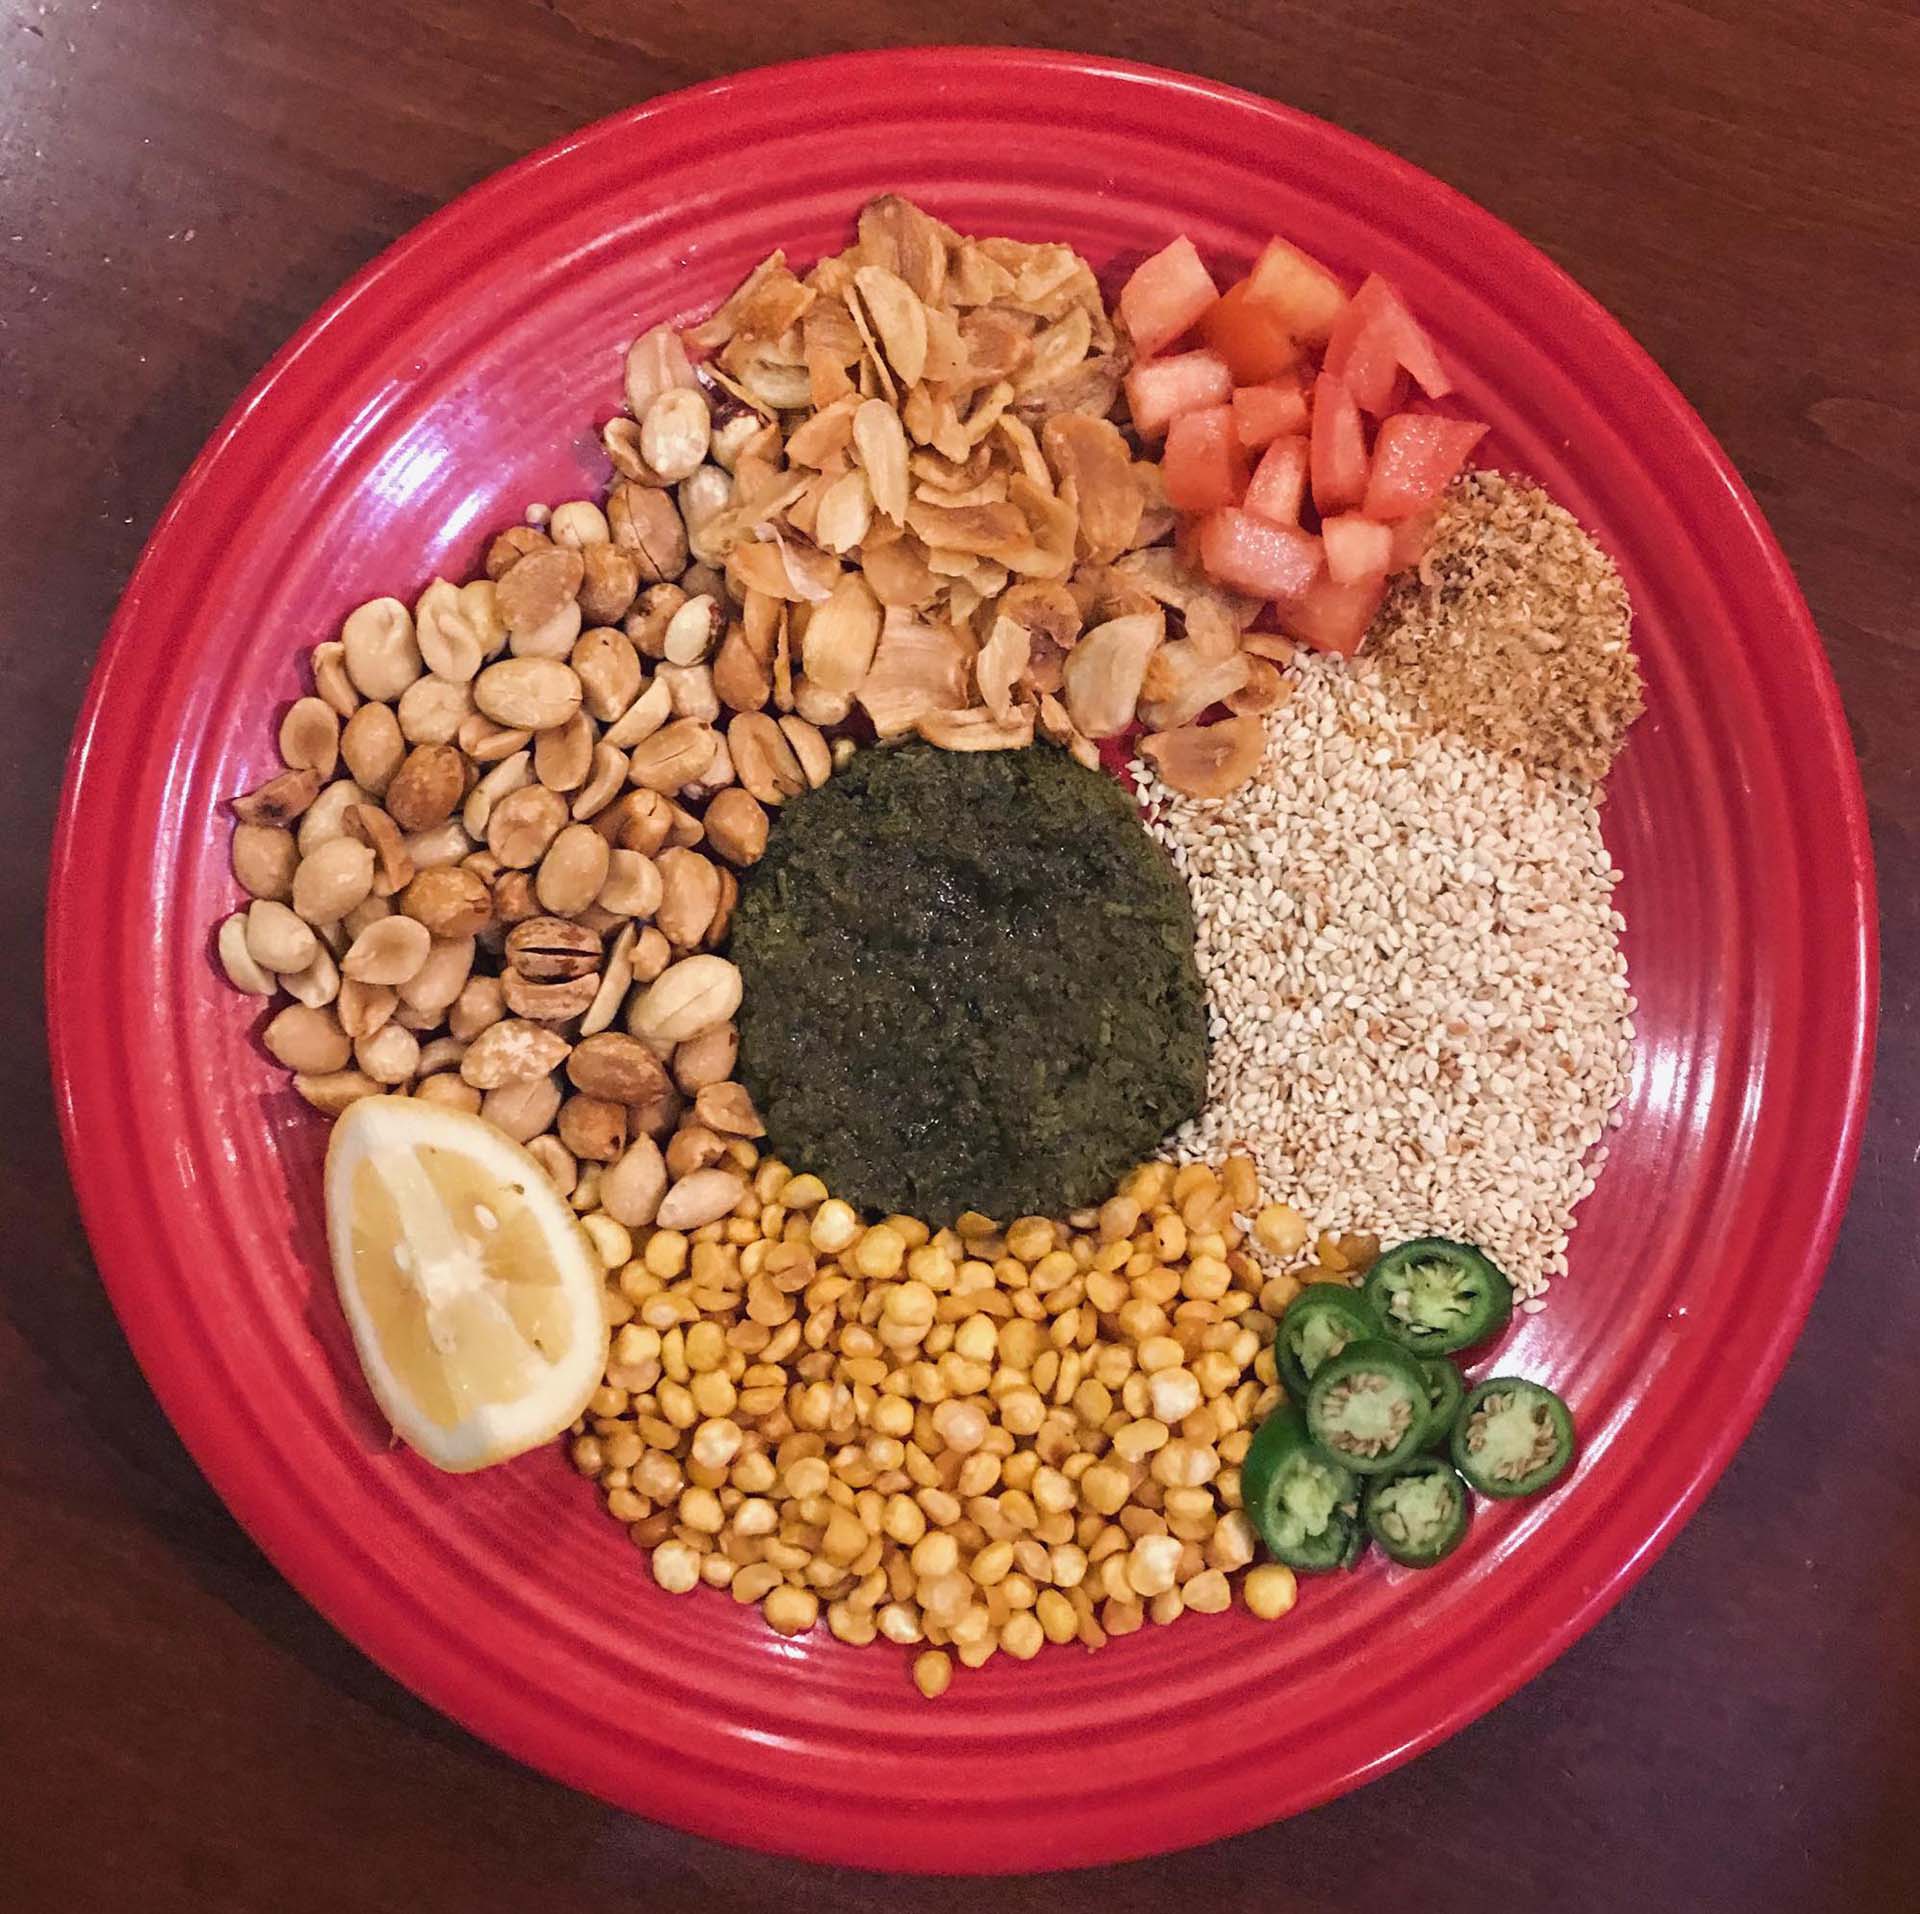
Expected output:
(1419, 1010)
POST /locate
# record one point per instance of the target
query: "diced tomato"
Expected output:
(1305, 297)
(1263, 413)
(1333, 617)
(1166, 296)
(1380, 317)
(1279, 482)
(1363, 352)
(1253, 339)
(1339, 447)
(1204, 465)
(1247, 554)
(1357, 547)
(1415, 459)
(1411, 537)
(1161, 389)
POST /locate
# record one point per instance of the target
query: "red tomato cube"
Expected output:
(1247, 554)
(1357, 547)
(1333, 617)
(1161, 389)
(1263, 413)
(1362, 353)
(1204, 465)
(1252, 338)
(1415, 459)
(1166, 296)
(1339, 462)
(1279, 482)
(1375, 338)
(1293, 285)
(1411, 538)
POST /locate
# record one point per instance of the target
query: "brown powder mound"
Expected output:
(1514, 632)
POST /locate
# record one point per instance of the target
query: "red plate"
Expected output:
(460, 377)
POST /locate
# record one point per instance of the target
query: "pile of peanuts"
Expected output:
(976, 1439)
(499, 864)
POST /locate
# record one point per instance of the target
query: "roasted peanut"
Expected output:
(647, 523)
(673, 756)
(390, 1056)
(608, 669)
(432, 710)
(433, 989)
(728, 1109)
(619, 1068)
(451, 901)
(307, 1040)
(277, 938)
(606, 779)
(375, 829)
(631, 1188)
(548, 950)
(310, 737)
(689, 896)
(381, 656)
(694, 1147)
(479, 1006)
(609, 582)
(763, 758)
(331, 880)
(685, 1000)
(278, 801)
(706, 1059)
(513, 1051)
(523, 1108)
(330, 679)
(264, 858)
(244, 970)
(524, 823)
(737, 826)
(532, 694)
(387, 952)
(573, 870)
(514, 544)
(593, 1127)
(549, 1003)
(563, 756)
(373, 747)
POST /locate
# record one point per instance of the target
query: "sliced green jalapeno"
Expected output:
(1419, 1515)
(1445, 1392)
(1318, 1323)
(1368, 1406)
(1512, 1437)
(1435, 1296)
(1305, 1505)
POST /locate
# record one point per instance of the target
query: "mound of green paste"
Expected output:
(969, 984)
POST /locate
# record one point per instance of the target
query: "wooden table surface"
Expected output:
(182, 181)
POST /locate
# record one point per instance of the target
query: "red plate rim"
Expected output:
(106, 1182)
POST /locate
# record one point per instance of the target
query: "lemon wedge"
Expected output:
(473, 1294)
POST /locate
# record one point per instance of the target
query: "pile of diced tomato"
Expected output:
(1288, 443)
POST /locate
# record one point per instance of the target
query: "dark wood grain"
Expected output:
(181, 181)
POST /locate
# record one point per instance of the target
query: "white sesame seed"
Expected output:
(1418, 1004)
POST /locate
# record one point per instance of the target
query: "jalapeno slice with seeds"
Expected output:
(1304, 1503)
(1419, 1514)
(1445, 1392)
(1318, 1323)
(1512, 1437)
(1434, 1295)
(1368, 1406)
